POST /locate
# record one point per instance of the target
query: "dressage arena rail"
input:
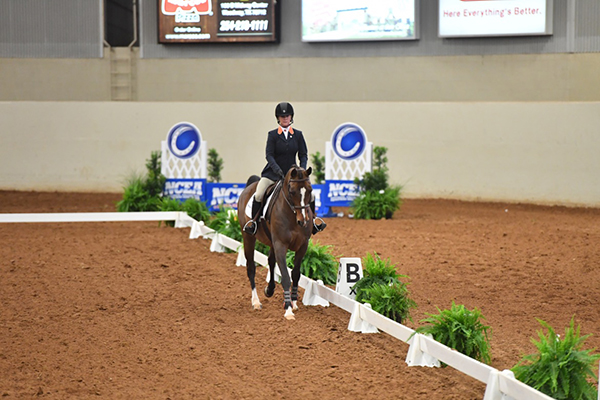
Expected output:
(423, 350)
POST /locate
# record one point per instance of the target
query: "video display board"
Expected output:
(359, 20)
(474, 18)
(210, 21)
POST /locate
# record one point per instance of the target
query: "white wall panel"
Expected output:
(517, 152)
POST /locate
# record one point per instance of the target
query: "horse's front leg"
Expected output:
(249, 242)
(270, 289)
(298, 257)
(280, 253)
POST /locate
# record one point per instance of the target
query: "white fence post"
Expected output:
(311, 298)
(215, 245)
(417, 357)
(357, 323)
(493, 389)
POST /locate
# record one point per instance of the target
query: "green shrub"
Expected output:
(375, 272)
(137, 198)
(318, 263)
(460, 329)
(231, 228)
(561, 368)
(219, 220)
(193, 207)
(215, 165)
(379, 159)
(377, 204)
(373, 181)
(377, 179)
(143, 193)
(226, 223)
(393, 301)
(155, 180)
(376, 198)
(318, 162)
(168, 204)
(196, 209)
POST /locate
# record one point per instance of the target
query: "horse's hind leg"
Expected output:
(249, 242)
(280, 252)
(270, 289)
(298, 257)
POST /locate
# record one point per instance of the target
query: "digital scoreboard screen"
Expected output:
(210, 21)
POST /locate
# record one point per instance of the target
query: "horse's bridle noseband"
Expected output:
(285, 196)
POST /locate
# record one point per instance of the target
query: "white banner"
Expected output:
(495, 17)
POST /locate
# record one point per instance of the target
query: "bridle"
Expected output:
(285, 196)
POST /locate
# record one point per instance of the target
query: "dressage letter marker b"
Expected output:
(349, 272)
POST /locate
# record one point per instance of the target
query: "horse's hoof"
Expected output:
(289, 315)
(294, 305)
(267, 292)
(256, 307)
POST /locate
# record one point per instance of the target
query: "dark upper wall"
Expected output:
(78, 28)
(51, 29)
(575, 30)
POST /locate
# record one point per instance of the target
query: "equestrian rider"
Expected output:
(283, 144)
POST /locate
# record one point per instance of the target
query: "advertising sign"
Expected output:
(359, 20)
(223, 195)
(459, 18)
(347, 156)
(204, 21)
(183, 162)
(349, 141)
(341, 193)
(182, 189)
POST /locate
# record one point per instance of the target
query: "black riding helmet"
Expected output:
(284, 108)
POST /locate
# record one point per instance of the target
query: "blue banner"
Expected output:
(340, 193)
(219, 195)
(182, 189)
(223, 194)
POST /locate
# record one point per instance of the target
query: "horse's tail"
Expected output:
(252, 179)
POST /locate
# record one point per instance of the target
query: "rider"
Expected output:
(283, 144)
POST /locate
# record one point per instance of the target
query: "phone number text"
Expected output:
(244, 25)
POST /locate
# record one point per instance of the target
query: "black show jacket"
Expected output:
(281, 153)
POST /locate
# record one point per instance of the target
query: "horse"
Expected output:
(287, 226)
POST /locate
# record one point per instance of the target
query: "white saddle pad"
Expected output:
(265, 206)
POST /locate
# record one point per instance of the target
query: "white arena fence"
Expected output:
(423, 350)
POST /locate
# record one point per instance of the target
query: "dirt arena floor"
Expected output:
(126, 310)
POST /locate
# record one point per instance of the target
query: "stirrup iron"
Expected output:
(320, 227)
(251, 227)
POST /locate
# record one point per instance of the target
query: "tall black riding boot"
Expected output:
(251, 225)
(317, 227)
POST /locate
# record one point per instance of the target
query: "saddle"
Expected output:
(270, 194)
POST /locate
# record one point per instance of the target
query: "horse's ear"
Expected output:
(308, 171)
(294, 173)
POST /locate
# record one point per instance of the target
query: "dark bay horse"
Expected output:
(286, 226)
